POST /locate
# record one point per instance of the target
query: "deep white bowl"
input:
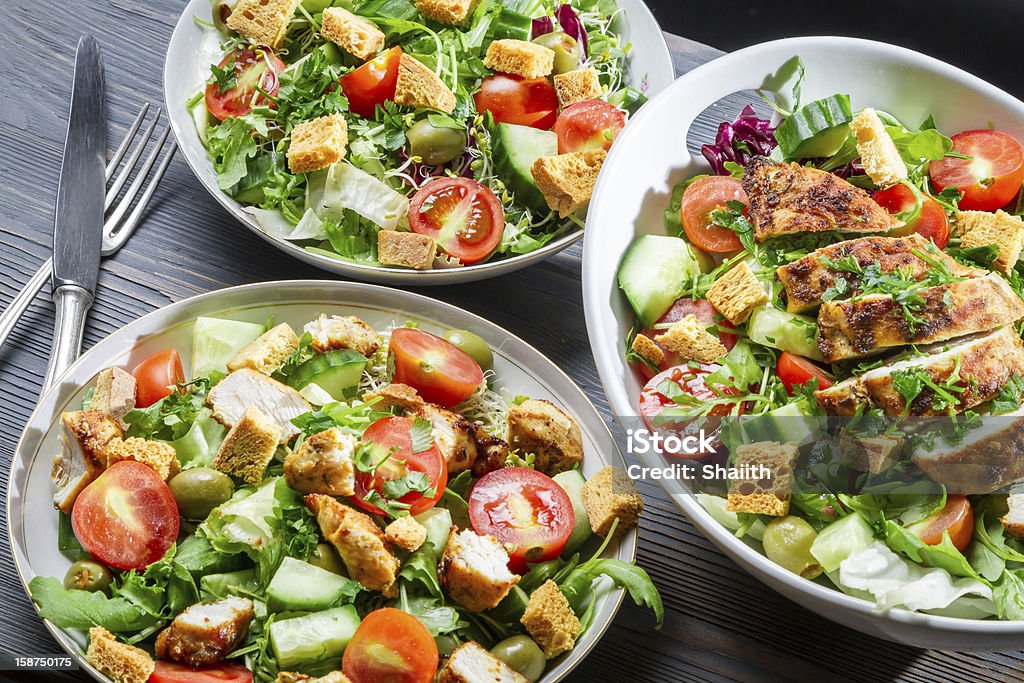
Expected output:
(194, 47)
(651, 157)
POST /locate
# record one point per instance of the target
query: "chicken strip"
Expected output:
(454, 435)
(83, 457)
(343, 332)
(1013, 520)
(206, 632)
(359, 541)
(542, 428)
(323, 464)
(987, 459)
(246, 388)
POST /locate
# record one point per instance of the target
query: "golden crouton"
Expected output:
(539, 427)
(767, 490)
(359, 541)
(452, 12)
(470, 663)
(397, 395)
(114, 394)
(737, 293)
(870, 454)
(355, 35)
(691, 340)
(980, 229)
(159, 455)
(576, 86)
(263, 22)
(520, 57)
(882, 161)
(474, 570)
(405, 249)
(645, 347)
(567, 180)
(609, 495)
(122, 662)
(418, 86)
(406, 533)
(249, 446)
(292, 677)
(267, 352)
(317, 143)
(1013, 520)
(342, 332)
(323, 464)
(550, 620)
(87, 438)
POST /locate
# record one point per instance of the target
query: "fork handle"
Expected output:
(12, 314)
(72, 303)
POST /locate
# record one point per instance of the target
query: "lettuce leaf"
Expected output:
(82, 609)
(944, 555)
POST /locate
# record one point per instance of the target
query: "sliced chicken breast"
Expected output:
(323, 464)
(989, 458)
(454, 435)
(83, 456)
(246, 388)
(206, 632)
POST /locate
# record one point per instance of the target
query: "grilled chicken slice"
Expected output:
(874, 323)
(806, 279)
(789, 198)
(1013, 520)
(83, 455)
(206, 632)
(246, 388)
(359, 541)
(986, 363)
(987, 459)
(323, 464)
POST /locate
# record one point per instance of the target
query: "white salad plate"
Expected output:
(193, 47)
(650, 157)
(32, 521)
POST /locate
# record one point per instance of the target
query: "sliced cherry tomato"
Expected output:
(172, 672)
(703, 197)
(440, 371)
(957, 517)
(156, 377)
(463, 216)
(931, 223)
(590, 124)
(252, 68)
(700, 309)
(373, 83)
(127, 517)
(514, 99)
(394, 435)
(795, 370)
(523, 508)
(392, 646)
(991, 178)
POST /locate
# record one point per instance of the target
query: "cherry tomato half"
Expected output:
(700, 309)
(991, 178)
(441, 372)
(156, 377)
(957, 517)
(390, 645)
(127, 517)
(394, 434)
(590, 124)
(931, 223)
(373, 83)
(522, 508)
(513, 99)
(172, 672)
(796, 370)
(463, 216)
(252, 68)
(703, 197)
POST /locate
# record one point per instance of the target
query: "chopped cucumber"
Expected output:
(313, 638)
(302, 587)
(201, 117)
(515, 150)
(840, 539)
(336, 372)
(438, 523)
(228, 583)
(653, 272)
(628, 98)
(794, 422)
(770, 326)
(572, 482)
(818, 129)
(216, 340)
(511, 608)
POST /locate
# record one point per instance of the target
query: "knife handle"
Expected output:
(72, 303)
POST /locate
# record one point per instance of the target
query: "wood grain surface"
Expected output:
(722, 625)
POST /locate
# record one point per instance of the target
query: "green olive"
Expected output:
(565, 47)
(198, 491)
(221, 12)
(88, 575)
(326, 557)
(787, 542)
(472, 344)
(435, 144)
(523, 655)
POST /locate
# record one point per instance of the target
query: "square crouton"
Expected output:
(159, 455)
(767, 489)
(114, 394)
(317, 143)
(263, 22)
(122, 662)
(576, 86)
(550, 620)
(1013, 520)
(249, 446)
(520, 57)
(292, 677)
(324, 463)
(405, 249)
(567, 180)
(355, 35)
(267, 352)
(474, 570)
(470, 663)
(1005, 231)
(609, 495)
(451, 12)
(359, 541)
(870, 454)
(691, 340)
(396, 395)
(737, 293)
(539, 427)
(417, 86)
(342, 332)
(406, 533)
(882, 161)
(645, 347)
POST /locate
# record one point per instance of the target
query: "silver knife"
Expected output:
(78, 223)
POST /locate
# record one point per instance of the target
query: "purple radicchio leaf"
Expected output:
(746, 137)
(571, 24)
(541, 26)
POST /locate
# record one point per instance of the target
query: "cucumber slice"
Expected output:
(313, 638)
(572, 482)
(653, 272)
(515, 150)
(201, 117)
(336, 372)
(216, 340)
(770, 326)
(793, 422)
(511, 608)
(301, 587)
(438, 523)
(816, 130)
(840, 539)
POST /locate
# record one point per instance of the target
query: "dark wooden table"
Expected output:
(721, 624)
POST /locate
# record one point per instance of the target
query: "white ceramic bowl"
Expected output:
(194, 47)
(32, 521)
(633, 191)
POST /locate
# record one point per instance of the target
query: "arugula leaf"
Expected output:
(1008, 595)
(739, 369)
(439, 619)
(71, 608)
(422, 434)
(944, 555)
(231, 145)
(983, 256)
(577, 585)
(732, 217)
(917, 148)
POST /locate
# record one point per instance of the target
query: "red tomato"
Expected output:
(523, 508)
(932, 222)
(590, 124)
(700, 309)
(440, 371)
(391, 646)
(701, 199)
(513, 99)
(156, 377)
(252, 68)
(172, 672)
(127, 517)
(957, 518)
(373, 83)
(465, 217)
(395, 433)
(794, 370)
(991, 179)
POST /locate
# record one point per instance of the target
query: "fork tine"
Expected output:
(129, 165)
(115, 232)
(119, 154)
(126, 229)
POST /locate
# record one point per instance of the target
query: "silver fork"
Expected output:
(117, 227)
